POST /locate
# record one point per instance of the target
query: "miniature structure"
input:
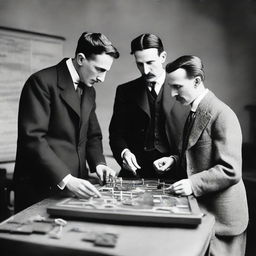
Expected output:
(132, 200)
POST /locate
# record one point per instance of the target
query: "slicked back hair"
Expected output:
(95, 43)
(192, 64)
(147, 41)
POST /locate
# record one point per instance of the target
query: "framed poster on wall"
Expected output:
(21, 54)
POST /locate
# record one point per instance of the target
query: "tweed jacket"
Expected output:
(214, 165)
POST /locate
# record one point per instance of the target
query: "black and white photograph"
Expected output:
(127, 127)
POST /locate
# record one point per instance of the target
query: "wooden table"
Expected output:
(132, 239)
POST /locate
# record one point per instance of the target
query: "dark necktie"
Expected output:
(187, 130)
(80, 90)
(152, 91)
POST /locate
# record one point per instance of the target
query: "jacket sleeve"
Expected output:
(94, 150)
(119, 125)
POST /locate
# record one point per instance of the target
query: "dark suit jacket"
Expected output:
(131, 118)
(214, 165)
(55, 137)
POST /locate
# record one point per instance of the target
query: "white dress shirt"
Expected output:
(158, 83)
(196, 102)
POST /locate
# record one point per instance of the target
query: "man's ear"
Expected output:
(198, 81)
(80, 57)
(163, 56)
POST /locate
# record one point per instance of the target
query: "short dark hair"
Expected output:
(192, 64)
(95, 43)
(146, 41)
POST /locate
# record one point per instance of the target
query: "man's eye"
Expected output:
(100, 70)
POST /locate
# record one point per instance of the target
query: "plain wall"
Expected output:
(221, 32)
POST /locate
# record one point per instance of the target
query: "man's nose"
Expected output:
(145, 69)
(101, 77)
(174, 92)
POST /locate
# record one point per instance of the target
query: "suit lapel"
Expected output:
(67, 93)
(168, 100)
(167, 104)
(142, 97)
(202, 119)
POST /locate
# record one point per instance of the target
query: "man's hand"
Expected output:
(130, 162)
(104, 172)
(163, 164)
(82, 188)
(181, 187)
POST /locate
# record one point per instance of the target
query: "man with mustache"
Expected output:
(210, 159)
(58, 131)
(145, 125)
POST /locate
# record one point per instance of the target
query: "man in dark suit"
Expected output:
(145, 124)
(58, 131)
(210, 160)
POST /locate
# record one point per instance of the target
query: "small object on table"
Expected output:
(56, 232)
(41, 227)
(16, 228)
(25, 229)
(8, 227)
(106, 240)
(90, 236)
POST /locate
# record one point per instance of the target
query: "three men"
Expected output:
(210, 159)
(58, 131)
(146, 124)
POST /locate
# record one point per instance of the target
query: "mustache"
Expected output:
(178, 98)
(148, 76)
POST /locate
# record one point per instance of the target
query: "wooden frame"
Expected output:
(185, 210)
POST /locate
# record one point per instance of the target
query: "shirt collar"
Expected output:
(73, 72)
(159, 82)
(196, 102)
